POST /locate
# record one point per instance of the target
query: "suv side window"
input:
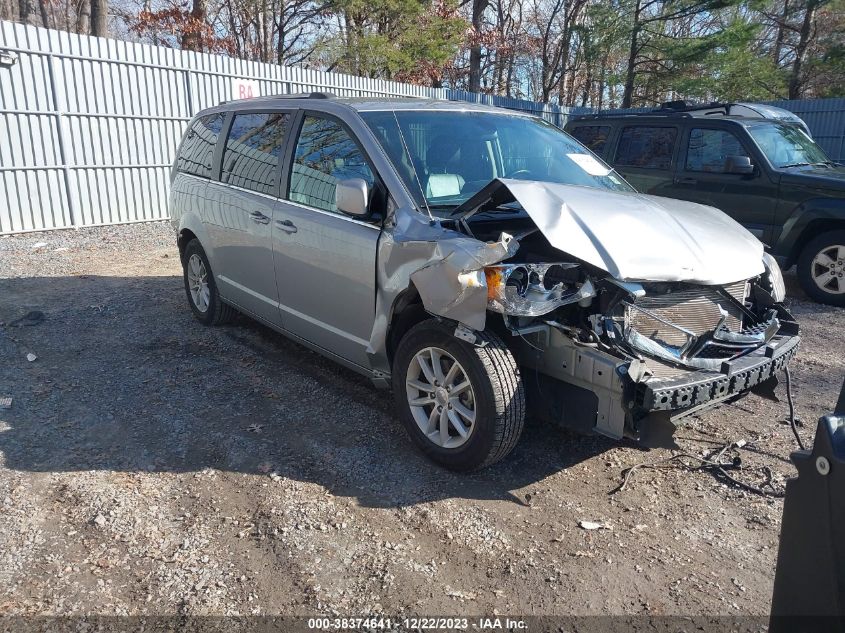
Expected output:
(594, 137)
(646, 147)
(708, 149)
(197, 152)
(325, 154)
(253, 151)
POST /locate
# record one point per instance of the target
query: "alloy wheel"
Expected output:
(828, 269)
(441, 397)
(198, 283)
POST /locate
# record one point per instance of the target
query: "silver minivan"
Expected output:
(478, 262)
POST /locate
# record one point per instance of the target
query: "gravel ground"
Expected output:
(149, 465)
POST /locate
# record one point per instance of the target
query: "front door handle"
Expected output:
(259, 217)
(287, 226)
(686, 181)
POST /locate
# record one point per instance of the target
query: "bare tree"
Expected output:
(805, 34)
(478, 8)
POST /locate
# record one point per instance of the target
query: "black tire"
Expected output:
(813, 248)
(217, 312)
(498, 391)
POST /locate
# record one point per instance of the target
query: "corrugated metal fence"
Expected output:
(89, 126)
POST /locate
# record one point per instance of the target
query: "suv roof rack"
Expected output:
(687, 109)
(307, 95)
(689, 106)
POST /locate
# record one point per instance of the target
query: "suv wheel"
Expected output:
(200, 287)
(821, 268)
(463, 405)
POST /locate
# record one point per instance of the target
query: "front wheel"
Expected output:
(462, 404)
(821, 268)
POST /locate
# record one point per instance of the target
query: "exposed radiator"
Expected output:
(693, 308)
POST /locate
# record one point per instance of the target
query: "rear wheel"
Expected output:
(821, 268)
(463, 405)
(201, 289)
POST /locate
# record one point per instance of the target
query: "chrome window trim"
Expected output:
(332, 214)
(179, 172)
(228, 185)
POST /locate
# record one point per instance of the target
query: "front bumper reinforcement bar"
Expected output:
(733, 377)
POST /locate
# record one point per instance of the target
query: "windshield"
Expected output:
(787, 145)
(445, 157)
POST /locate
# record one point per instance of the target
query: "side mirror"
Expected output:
(738, 165)
(352, 196)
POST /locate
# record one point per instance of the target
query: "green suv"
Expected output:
(756, 163)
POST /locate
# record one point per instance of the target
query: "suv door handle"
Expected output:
(259, 217)
(287, 226)
(686, 181)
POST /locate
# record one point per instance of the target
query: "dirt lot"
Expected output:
(149, 465)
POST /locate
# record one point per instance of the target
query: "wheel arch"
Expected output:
(809, 220)
(406, 312)
(183, 239)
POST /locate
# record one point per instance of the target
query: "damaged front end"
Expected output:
(621, 332)
(648, 354)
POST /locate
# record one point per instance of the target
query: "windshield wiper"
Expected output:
(828, 163)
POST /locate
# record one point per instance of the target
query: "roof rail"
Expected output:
(302, 95)
(296, 95)
(621, 115)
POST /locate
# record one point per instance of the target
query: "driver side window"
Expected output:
(325, 154)
(709, 149)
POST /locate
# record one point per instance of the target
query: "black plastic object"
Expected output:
(809, 592)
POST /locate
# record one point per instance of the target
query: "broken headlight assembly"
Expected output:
(775, 278)
(535, 289)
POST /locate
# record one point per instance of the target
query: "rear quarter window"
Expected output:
(646, 147)
(196, 155)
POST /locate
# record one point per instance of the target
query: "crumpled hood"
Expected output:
(637, 237)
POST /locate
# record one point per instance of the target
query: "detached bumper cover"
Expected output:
(734, 377)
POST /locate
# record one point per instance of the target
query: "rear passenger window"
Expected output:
(708, 150)
(646, 147)
(253, 151)
(197, 151)
(594, 137)
(325, 154)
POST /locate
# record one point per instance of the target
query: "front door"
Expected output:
(750, 199)
(246, 203)
(325, 261)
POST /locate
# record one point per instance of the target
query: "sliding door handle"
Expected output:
(686, 181)
(259, 217)
(287, 226)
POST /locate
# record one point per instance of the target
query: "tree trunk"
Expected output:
(45, 18)
(24, 9)
(509, 79)
(99, 18)
(478, 7)
(630, 73)
(778, 47)
(83, 20)
(192, 39)
(801, 49)
(8, 10)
